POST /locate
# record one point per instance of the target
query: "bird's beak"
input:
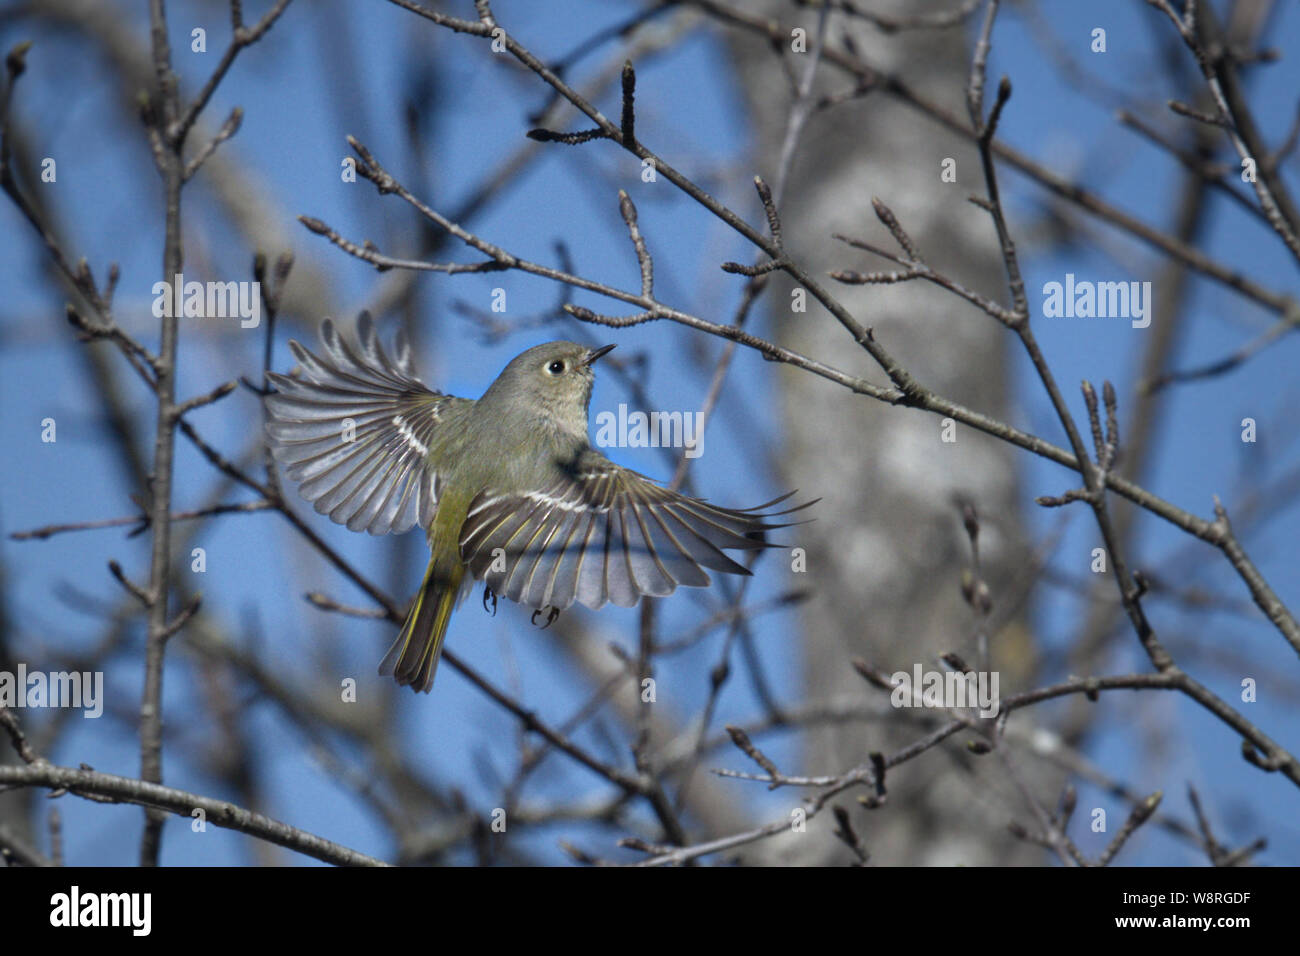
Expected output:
(595, 354)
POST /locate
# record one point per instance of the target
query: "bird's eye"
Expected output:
(556, 367)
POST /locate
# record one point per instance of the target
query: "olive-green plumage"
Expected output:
(508, 487)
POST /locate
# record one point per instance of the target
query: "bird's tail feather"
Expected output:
(413, 658)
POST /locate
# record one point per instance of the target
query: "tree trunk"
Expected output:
(887, 550)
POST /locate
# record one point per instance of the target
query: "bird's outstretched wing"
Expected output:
(355, 429)
(603, 533)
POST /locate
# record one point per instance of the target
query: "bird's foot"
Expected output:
(489, 593)
(551, 614)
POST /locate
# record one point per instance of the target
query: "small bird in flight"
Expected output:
(508, 487)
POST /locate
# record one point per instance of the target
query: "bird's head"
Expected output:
(553, 380)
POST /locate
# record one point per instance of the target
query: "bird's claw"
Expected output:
(489, 593)
(551, 614)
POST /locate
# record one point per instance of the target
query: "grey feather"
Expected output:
(602, 534)
(379, 481)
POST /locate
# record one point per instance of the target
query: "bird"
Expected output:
(508, 487)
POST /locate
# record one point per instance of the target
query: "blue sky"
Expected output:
(325, 72)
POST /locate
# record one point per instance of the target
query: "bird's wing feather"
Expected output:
(373, 475)
(601, 533)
